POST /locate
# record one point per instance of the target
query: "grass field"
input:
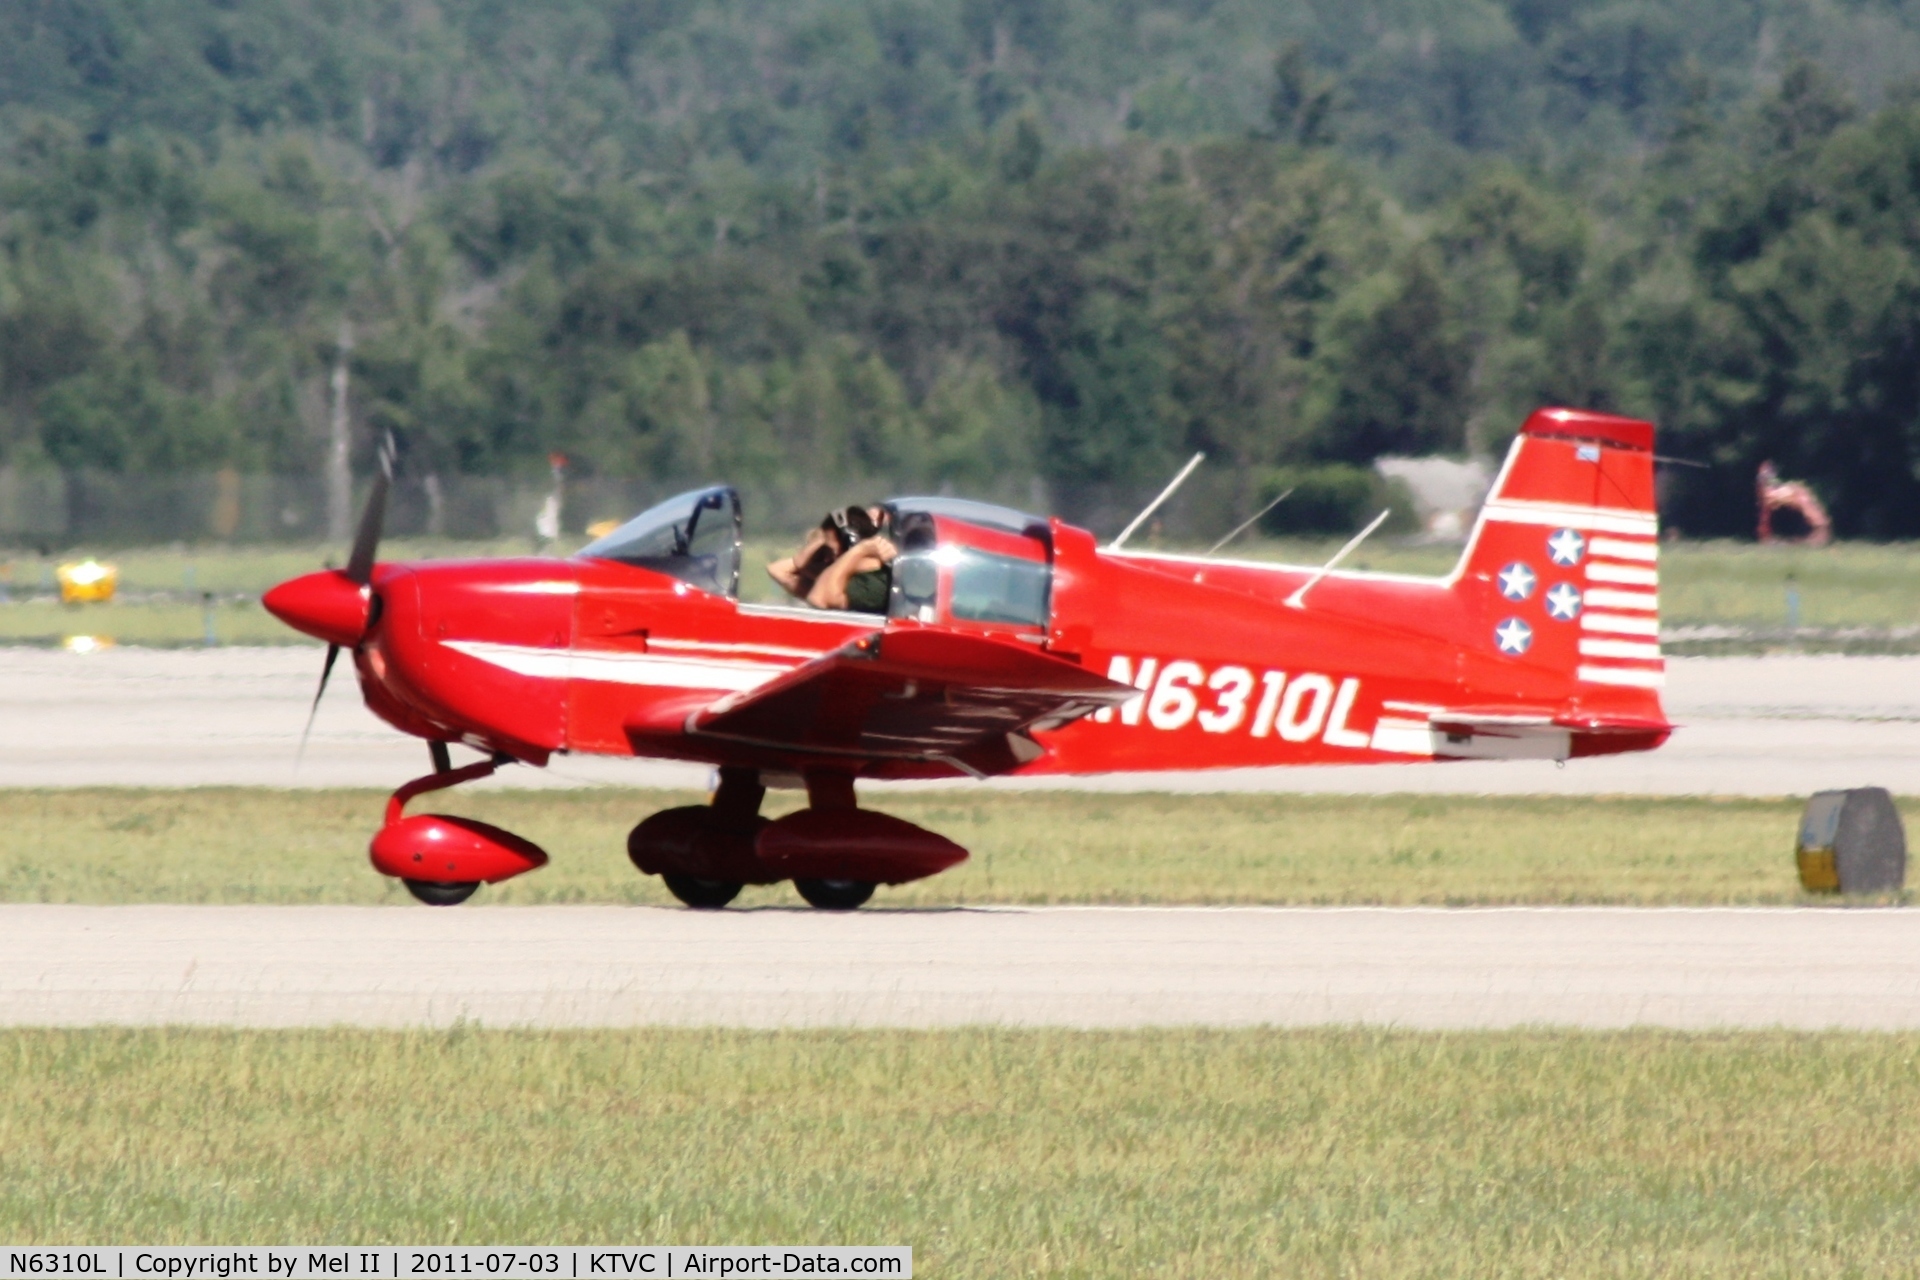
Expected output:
(252, 845)
(1729, 584)
(160, 599)
(1852, 586)
(992, 1152)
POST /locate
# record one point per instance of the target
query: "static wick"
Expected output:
(1298, 600)
(1154, 506)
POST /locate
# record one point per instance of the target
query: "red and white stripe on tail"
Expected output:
(1567, 559)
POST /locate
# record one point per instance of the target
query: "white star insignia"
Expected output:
(1566, 547)
(1513, 636)
(1516, 581)
(1563, 602)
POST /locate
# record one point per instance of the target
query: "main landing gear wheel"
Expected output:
(704, 895)
(835, 895)
(435, 894)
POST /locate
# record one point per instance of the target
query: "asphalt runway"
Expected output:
(1072, 967)
(232, 716)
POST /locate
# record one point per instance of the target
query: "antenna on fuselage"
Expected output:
(1298, 600)
(1287, 493)
(1154, 506)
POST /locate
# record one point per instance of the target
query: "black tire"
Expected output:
(835, 895)
(701, 895)
(436, 894)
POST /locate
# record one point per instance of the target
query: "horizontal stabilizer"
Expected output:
(1509, 735)
(967, 701)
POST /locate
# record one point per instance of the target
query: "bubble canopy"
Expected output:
(693, 536)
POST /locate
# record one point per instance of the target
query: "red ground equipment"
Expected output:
(1775, 495)
(1010, 644)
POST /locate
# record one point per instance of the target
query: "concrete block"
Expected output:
(1852, 842)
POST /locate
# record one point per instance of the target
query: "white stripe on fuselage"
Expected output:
(713, 646)
(555, 588)
(621, 668)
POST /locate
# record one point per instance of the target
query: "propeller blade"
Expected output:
(366, 542)
(372, 518)
(326, 670)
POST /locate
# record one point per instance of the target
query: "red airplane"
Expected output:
(1011, 644)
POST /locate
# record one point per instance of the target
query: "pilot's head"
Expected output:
(852, 525)
(836, 534)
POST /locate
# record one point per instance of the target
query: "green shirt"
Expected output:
(867, 592)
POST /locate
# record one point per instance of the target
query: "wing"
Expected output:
(927, 695)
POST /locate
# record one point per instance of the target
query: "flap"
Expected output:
(915, 695)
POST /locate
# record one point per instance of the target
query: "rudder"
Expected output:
(1565, 557)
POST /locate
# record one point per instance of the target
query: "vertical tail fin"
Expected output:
(1564, 560)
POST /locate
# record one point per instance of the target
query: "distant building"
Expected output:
(1446, 493)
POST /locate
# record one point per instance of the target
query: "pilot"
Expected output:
(845, 563)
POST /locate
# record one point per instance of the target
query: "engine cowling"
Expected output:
(442, 849)
(327, 605)
(853, 844)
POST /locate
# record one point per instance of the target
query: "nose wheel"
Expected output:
(436, 894)
(443, 859)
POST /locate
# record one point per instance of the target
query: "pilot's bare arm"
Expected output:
(786, 570)
(786, 573)
(830, 589)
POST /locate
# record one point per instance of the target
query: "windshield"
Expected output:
(991, 588)
(694, 537)
(981, 585)
(980, 513)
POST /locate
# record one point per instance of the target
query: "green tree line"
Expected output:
(964, 243)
